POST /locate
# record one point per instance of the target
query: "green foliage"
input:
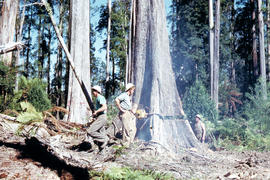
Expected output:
(7, 83)
(112, 112)
(34, 91)
(229, 99)
(128, 174)
(250, 128)
(29, 114)
(197, 101)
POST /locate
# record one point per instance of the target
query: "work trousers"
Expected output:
(129, 127)
(97, 129)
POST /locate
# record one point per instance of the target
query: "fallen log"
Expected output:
(62, 139)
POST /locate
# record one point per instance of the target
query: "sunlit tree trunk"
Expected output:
(79, 49)
(268, 38)
(216, 54)
(153, 76)
(19, 38)
(262, 53)
(7, 26)
(211, 44)
(108, 50)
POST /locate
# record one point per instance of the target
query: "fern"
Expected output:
(29, 114)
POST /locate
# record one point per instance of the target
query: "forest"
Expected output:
(210, 58)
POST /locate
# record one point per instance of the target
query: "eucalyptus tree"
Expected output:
(8, 16)
(262, 49)
(153, 76)
(79, 49)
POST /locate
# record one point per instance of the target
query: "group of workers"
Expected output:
(127, 116)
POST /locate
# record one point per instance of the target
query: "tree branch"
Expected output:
(11, 47)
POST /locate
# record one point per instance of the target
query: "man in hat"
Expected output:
(97, 128)
(126, 114)
(199, 129)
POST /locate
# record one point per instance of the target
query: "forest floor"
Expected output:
(14, 164)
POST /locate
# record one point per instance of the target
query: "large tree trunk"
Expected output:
(211, 44)
(262, 53)
(7, 26)
(216, 54)
(79, 48)
(155, 82)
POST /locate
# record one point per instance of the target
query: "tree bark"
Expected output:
(19, 38)
(211, 44)
(155, 82)
(262, 53)
(254, 41)
(79, 49)
(216, 54)
(7, 26)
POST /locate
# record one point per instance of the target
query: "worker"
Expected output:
(126, 114)
(200, 131)
(97, 128)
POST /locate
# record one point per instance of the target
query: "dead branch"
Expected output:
(11, 47)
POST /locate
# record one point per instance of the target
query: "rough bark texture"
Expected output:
(216, 54)
(7, 26)
(254, 40)
(80, 45)
(155, 82)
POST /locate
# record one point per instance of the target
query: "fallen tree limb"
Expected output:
(11, 47)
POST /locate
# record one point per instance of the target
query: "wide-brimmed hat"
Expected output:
(199, 116)
(97, 88)
(129, 86)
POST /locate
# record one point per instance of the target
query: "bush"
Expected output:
(197, 101)
(33, 91)
(250, 127)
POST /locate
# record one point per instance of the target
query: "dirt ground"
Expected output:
(187, 165)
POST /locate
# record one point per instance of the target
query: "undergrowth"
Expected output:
(127, 173)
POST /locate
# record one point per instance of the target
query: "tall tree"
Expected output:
(216, 54)
(211, 45)
(268, 38)
(19, 38)
(254, 40)
(262, 50)
(155, 84)
(7, 26)
(108, 49)
(79, 48)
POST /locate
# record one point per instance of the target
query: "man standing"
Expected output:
(199, 128)
(97, 128)
(126, 114)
